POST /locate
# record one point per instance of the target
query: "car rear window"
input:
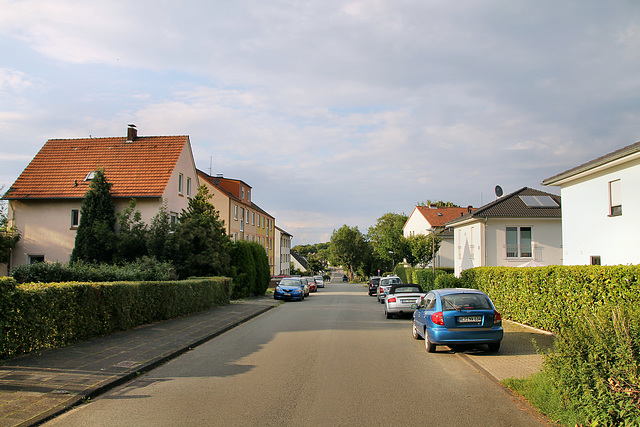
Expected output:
(290, 282)
(465, 302)
(406, 289)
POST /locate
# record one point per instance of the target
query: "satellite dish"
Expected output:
(499, 191)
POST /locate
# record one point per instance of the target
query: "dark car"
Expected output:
(457, 317)
(373, 283)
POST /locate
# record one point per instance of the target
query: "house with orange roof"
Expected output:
(432, 219)
(243, 219)
(45, 200)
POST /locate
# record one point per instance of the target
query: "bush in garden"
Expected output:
(263, 271)
(444, 281)
(244, 266)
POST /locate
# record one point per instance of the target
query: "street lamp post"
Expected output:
(433, 249)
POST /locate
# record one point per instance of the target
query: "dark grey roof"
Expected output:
(302, 260)
(512, 206)
(618, 154)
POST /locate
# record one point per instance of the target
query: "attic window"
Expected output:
(539, 201)
(439, 213)
(90, 176)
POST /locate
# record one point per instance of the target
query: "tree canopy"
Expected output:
(348, 247)
(387, 238)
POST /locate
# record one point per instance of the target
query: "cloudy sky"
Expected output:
(334, 111)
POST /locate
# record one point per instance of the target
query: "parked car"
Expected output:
(385, 284)
(306, 287)
(313, 286)
(373, 283)
(457, 317)
(319, 281)
(289, 288)
(401, 299)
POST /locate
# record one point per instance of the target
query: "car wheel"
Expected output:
(414, 331)
(431, 347)
(494, 346)
(389, 315)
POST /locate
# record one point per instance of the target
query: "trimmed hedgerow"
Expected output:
(36, 316)
(143, 269)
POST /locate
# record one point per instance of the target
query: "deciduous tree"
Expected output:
(348, 247)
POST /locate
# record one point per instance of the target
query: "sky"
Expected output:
(334, 111)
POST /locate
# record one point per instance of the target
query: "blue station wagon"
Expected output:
(457, 317)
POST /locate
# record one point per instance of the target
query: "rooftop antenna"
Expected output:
(210, 165)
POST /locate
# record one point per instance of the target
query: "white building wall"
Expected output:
(479, 244)
(416, 224)
(588, 230)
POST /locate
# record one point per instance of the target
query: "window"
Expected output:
(242, 190)
(595, 260)
(253, 218)
(35, 258)
(235, 237)
(90, 176)
(235, 212)
(75, 218)
(188, 187)
(519, 242)
(242, 225)
(174, 218)
(180, 183)
(247, 217)
(615, 198)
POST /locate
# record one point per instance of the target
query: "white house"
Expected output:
(431, 219)
(524, 227)
(283, 252)
(601, 209)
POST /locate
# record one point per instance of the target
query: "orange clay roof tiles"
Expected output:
(141, 168)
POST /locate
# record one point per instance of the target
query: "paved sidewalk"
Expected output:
(36, 387)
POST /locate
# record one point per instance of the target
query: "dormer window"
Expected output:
(242, 190)
(90, 176)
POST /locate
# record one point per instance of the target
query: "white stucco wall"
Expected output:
(416, 224)
(480, 243)
(588, 230)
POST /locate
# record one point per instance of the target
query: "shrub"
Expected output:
(142, 269)
(263, 271)
(595, 365)
(36, 316)
(447, 281)
(426, 278)
(244, 266)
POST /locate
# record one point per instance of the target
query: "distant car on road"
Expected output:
(401, 299)
(458, 316)
(289, 288)
(373, 283)
(319, 281)
(385, 284)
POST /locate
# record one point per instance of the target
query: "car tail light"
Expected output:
(497, 318)
(438, 318)
(392, 299)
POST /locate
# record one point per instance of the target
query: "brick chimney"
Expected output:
(132, 133)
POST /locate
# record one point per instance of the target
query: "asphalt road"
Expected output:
(333, 360)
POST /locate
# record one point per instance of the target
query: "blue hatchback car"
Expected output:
(289, 288)
(457, 317)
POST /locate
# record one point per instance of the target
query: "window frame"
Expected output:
(615, 198)
(188, 186)
(515, 250)
(180, 183)
(75, 218)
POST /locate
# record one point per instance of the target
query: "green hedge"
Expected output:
(546, 297)
(595, 313)
(36, 316)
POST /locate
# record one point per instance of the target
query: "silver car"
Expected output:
(401, 297)
(385, 284)
(319, 281)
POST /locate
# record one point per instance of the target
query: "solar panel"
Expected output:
(539, 201)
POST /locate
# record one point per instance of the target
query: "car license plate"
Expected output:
(469, 319)
(288, 294)
(408, 300)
